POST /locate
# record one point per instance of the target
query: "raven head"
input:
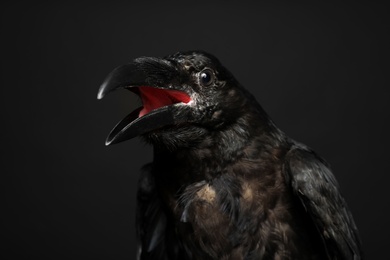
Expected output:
(184, 96)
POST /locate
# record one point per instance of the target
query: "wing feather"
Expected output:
(316, 187)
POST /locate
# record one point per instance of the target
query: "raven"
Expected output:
(225, 182)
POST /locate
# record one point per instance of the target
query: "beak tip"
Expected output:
(110, 141)
(101, 92)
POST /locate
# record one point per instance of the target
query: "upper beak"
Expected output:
(144, 72)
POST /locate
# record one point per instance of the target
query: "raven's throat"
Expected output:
(155, 98)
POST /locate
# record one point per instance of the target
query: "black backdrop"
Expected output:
(319, 70)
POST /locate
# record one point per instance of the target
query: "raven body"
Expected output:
(225, 182)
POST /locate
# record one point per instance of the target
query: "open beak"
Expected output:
(151, 79)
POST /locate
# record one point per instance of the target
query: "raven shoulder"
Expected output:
(315, 186)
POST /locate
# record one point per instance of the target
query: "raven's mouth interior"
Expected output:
(154, 98)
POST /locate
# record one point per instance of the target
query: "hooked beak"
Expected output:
(151, 79)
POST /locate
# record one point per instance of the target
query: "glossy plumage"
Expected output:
(225, 182)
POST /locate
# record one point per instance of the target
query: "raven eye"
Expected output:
(206, 77)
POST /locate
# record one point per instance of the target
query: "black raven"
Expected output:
(225, 182)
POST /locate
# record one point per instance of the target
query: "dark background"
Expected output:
(321, 72)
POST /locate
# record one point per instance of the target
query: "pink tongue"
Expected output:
(153, 98)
